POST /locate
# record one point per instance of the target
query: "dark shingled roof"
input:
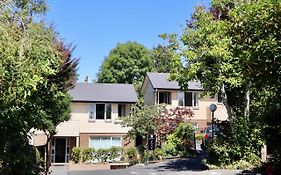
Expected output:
(161, 81)
(103, 92)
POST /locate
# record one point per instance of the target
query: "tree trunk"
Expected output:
(224, 100)
(47, 159)
(247, 100)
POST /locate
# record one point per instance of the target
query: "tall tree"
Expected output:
(234, 47)
(126, 63)
(162, 54)
(30, 98)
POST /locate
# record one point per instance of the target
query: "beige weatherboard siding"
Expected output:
(95, 110)
(98, 125)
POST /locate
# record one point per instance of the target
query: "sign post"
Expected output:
(151, 142)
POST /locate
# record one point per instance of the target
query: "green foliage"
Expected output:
(159, 153)
(131, 154)
(170, 147)
(30, 98)
(180, 142)
(242, 144)
(162, 58)
(87, 154)
(126, 63)
(114, 152)
(75, 154)
(184, 132)
(234, 47)
(142, 119)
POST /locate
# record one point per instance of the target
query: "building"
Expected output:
(94, 122)
(157, 89)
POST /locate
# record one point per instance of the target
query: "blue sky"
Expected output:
(96, 26)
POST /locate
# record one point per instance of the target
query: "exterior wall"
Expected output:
(202, 114)
(39, 139)
(149, 95)
(72, 143)
(80, 123)
(102, 126)
(174, 98)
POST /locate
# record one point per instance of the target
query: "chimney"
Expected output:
(86, 79)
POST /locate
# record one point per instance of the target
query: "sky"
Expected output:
(95, 27)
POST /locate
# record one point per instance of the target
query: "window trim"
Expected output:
(169, 97)
(194, 95)
(100, 137)
(122, 110)
(92, 112)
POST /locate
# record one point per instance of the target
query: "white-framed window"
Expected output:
(188, 99)
(121, 110)
(104, 142)
(164, 97)
(100, 112)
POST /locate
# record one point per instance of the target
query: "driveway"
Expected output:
(187, 166)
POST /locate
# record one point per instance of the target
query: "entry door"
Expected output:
(60, 150)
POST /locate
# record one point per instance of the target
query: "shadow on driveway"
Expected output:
(184, 164)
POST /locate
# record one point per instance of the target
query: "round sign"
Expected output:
(213, 107)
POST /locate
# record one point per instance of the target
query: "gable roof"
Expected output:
(161, 81)
(103, 92)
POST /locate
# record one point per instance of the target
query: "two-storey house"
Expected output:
(157, 89)
(95, 110)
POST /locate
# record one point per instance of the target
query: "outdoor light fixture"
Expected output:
(213, 108)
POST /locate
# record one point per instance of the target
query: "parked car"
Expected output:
(207, 134)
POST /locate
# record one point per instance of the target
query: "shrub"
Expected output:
(131, 154)
(169, 148)
(235, 146)
(102, 154)
(75, 154)
(159, 154)
(184, 132)
(87, 154)
(114, 152)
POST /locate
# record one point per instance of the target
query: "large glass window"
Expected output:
(165, 97)
(104, 142)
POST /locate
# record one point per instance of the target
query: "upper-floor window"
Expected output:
(121, 110)
(164, 97)
(100, 112)
(188, 99)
